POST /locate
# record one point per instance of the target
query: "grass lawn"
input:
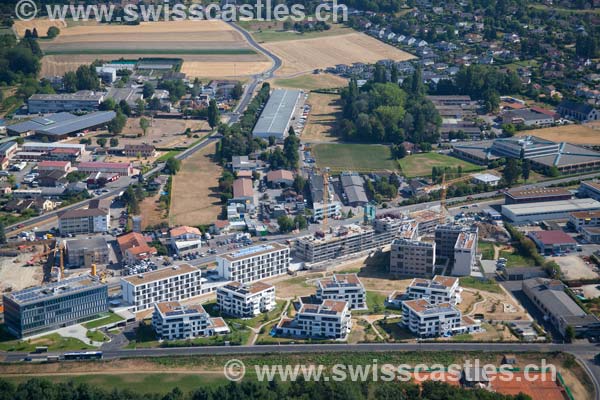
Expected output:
(142, 383)
(480, 284)
(54, 341)
(354, 157)
(422, 163)
(255, 322)
(396, 332)
(375, 303)
(487, 250)
(96, 336)
(516, 260)
(109, 319)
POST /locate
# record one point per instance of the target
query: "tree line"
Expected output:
(248, 390)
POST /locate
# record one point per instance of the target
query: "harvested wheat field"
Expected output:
(237, 67)
(194, 198)
(306, 55)
(322, 118)
(151, 36)
(40, 24)
(576, 134)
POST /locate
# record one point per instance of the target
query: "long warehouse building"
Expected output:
(535, 212)
(277, 114)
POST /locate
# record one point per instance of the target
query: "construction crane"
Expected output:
(325, 175)
(444, 191)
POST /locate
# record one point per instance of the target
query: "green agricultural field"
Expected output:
(354, 157)
(152, 51)
(421, 164)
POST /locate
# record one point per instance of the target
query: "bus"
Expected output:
(82, 355)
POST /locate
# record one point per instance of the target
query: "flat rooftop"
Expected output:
(552, 207)
(160, 274)
(537, 193)
(253, 251)
(55, 290)
(278, 111)
(97, 242)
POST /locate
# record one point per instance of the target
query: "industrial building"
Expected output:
(175, 283)
(348, 239)
(589, 189)
(254, 263)
(172, 320)
(84, 100)
(584, 219)
(44, 308)
(543, 154)
(556, 210)
(331, 319)
(354, 190)
(85, 252)
(246, 301)
(276, 116)
(559, 308)
(343, 287)
(537, 195)
(92, 167)
(553, 242)
(84, 221)
(62, 125)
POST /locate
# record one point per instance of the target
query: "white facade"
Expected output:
(93, 220)
(465, 252)
(331, 209)
(440, 289)
(172, 321)
(254, 263)
(185, 239)
(329, 320)
(535, 212)
(427, 320)
(246, 301)
(167, 284)
(343, 287)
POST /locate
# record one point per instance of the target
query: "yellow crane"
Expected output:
(444, 191)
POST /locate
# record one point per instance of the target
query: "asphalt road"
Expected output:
(234, 117)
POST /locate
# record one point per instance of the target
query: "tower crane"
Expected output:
(444, 192)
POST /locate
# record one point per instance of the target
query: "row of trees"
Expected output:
(250, 390)
(237, 138)
(18, 61)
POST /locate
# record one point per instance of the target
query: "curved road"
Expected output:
(234, 117)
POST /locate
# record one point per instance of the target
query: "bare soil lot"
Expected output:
(576, 134)
(493, 306)
(231, 67)
(305, 55)
(15, 275)
(151, 212)
(322, 118)
(164, 133)
(573, 267)
(193, 199)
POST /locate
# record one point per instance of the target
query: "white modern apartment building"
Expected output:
(343, 287)
(331, 319)
(465, 254)
(168, 284)
(440, 289)
(254, 263)
(412, 257)
(171, 320)
(428, 320)
(246, 301)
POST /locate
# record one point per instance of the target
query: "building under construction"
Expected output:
(350, 239)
